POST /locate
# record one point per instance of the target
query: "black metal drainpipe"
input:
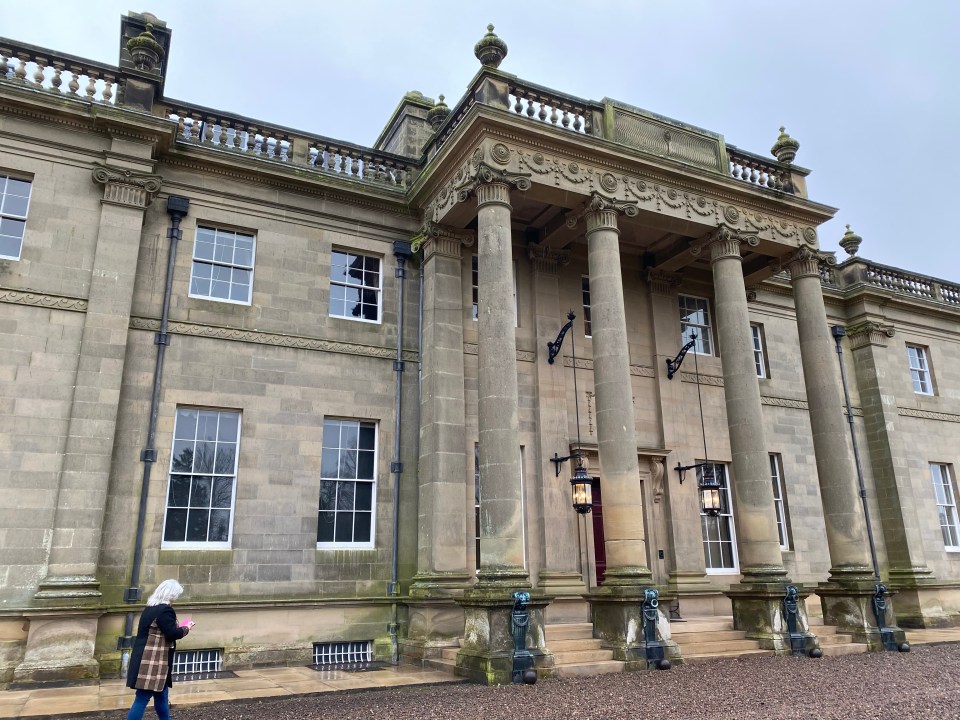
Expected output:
(177, 208)
(402, 251)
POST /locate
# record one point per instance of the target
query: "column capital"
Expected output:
(662, 283)
(547, 260)
(806, 261)
(437, 239)
(491, 185)
(869, 333)
(122, 186)
(600, 212)
(723, 243)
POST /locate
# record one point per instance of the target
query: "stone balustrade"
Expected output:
(42, 69)
(758, 170)
(360, 163)
(208, 127)
(551, 107)
(904, 283)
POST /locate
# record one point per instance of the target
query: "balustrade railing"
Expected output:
(551, 107)
(758, 170)
(901, 282)
(257, 139)
(41, 69)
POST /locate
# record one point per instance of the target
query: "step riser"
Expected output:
(586, 656)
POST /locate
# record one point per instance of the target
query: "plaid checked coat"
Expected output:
(152, 658)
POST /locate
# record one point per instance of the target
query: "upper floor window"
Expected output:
(475, 288)
(14, 200)
(759, 356)
(780, 501)
(348, 485)
(203, 474)
(222, 265)
(943, 490)
(695, 318)
(355, 286)
(919, 370)
(585, 291)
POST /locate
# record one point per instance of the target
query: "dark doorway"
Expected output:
(599, 549)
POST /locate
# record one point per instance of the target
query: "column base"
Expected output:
(487, 653)
(618, 622)
(918, 604)
(432, 626)
(77, 589)
(439, 585)
(59, 648)
(849, 606)
(758, 611)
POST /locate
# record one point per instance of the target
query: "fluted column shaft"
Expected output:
(623, 527)
(842, 509)
(501, 503)
(759, 544)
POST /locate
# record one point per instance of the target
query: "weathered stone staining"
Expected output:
(291, 318)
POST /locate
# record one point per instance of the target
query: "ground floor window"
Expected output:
(946, 504)
(719, 536)
(780, 500)
(347, 484)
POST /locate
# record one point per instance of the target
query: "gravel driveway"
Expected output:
(924, 683)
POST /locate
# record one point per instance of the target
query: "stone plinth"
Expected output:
(432, 624)
(617, 615)
(487, 653)
(59, 648)
(758, 611)
(849, 606)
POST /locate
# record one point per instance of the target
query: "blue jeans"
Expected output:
(161, 703)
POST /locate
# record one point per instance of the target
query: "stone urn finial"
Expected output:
(437, 115)
(850, 242)
(490, 50)
(145, 50)
(785, 148)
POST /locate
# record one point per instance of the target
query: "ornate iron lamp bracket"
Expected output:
(673, 366)
(553, 348)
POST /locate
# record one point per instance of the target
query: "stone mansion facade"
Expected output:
(311, 380)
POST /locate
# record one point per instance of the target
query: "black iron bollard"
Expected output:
(791, 613)
(653, 647)
(887, 636)
(523, 669)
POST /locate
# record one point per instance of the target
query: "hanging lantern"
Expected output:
(582, 487)
(709, 488)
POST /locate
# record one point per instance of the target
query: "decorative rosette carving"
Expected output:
(500, 154)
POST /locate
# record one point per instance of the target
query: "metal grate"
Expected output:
(340, 653)
(197, 664)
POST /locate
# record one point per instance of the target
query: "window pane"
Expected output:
(13, 205)
(200, 495)
(331, 433)
(179, 493)
(222, 493)
(176, 528)
(361, 527)
(345, 496)
(203, 457)
(364, 497)
(182, 456)
(348, 464)
(325, 527)
(350, 435)
(197, 521)
(365, 465)
(328, 494)
(11, 227)
(344, 529)
(219, 526)
(367, 436)
(9, 247)
(18, 187)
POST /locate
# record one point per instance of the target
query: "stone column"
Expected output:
(917, 605)
(560, 576)
(486, 655)
(60, 645)
(847, 597)
(435, 621)
(757, 600)
(616, 606)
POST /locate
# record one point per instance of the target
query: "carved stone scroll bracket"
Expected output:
(752, 293)
(547, 260)
(656, 477)
(601, 210)
(662, 283)
(483, 174)
(723, 242)
(807, 261)
(125, 187)
(437, 239)
(869, 333)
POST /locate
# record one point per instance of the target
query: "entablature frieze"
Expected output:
(708, 204)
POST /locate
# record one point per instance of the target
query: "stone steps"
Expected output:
(576, 653)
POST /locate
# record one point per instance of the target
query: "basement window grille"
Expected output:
(342, 653)
(197, 664)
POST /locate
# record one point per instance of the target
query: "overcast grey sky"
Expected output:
(868, 87)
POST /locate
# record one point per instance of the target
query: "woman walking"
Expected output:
(151, 662)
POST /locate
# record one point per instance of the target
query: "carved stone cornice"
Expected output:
(437, 239)
(276, 339)
(662, 283)
(125, 187)
(600, 212)
(56, 302)
(806, 261)
(869, 333)
(546, 260)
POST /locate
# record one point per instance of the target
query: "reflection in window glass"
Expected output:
(14, 201)
(355, 285)
(347, 483)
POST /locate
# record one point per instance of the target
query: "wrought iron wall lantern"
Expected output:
(581, 485)
(708, 486)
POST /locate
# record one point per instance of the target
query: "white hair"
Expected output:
(166, 593)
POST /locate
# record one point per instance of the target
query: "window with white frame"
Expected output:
(356, 283)
(585, 292)
(222, 265)
(943, 490)
(203, 475)
(759, 355)
(475, 289)
(14, 202)
(919, 370)
(780, 500)
(348, 485)
(695, 319)
(719, 535)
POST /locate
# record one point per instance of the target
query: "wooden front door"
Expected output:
(599, 548)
